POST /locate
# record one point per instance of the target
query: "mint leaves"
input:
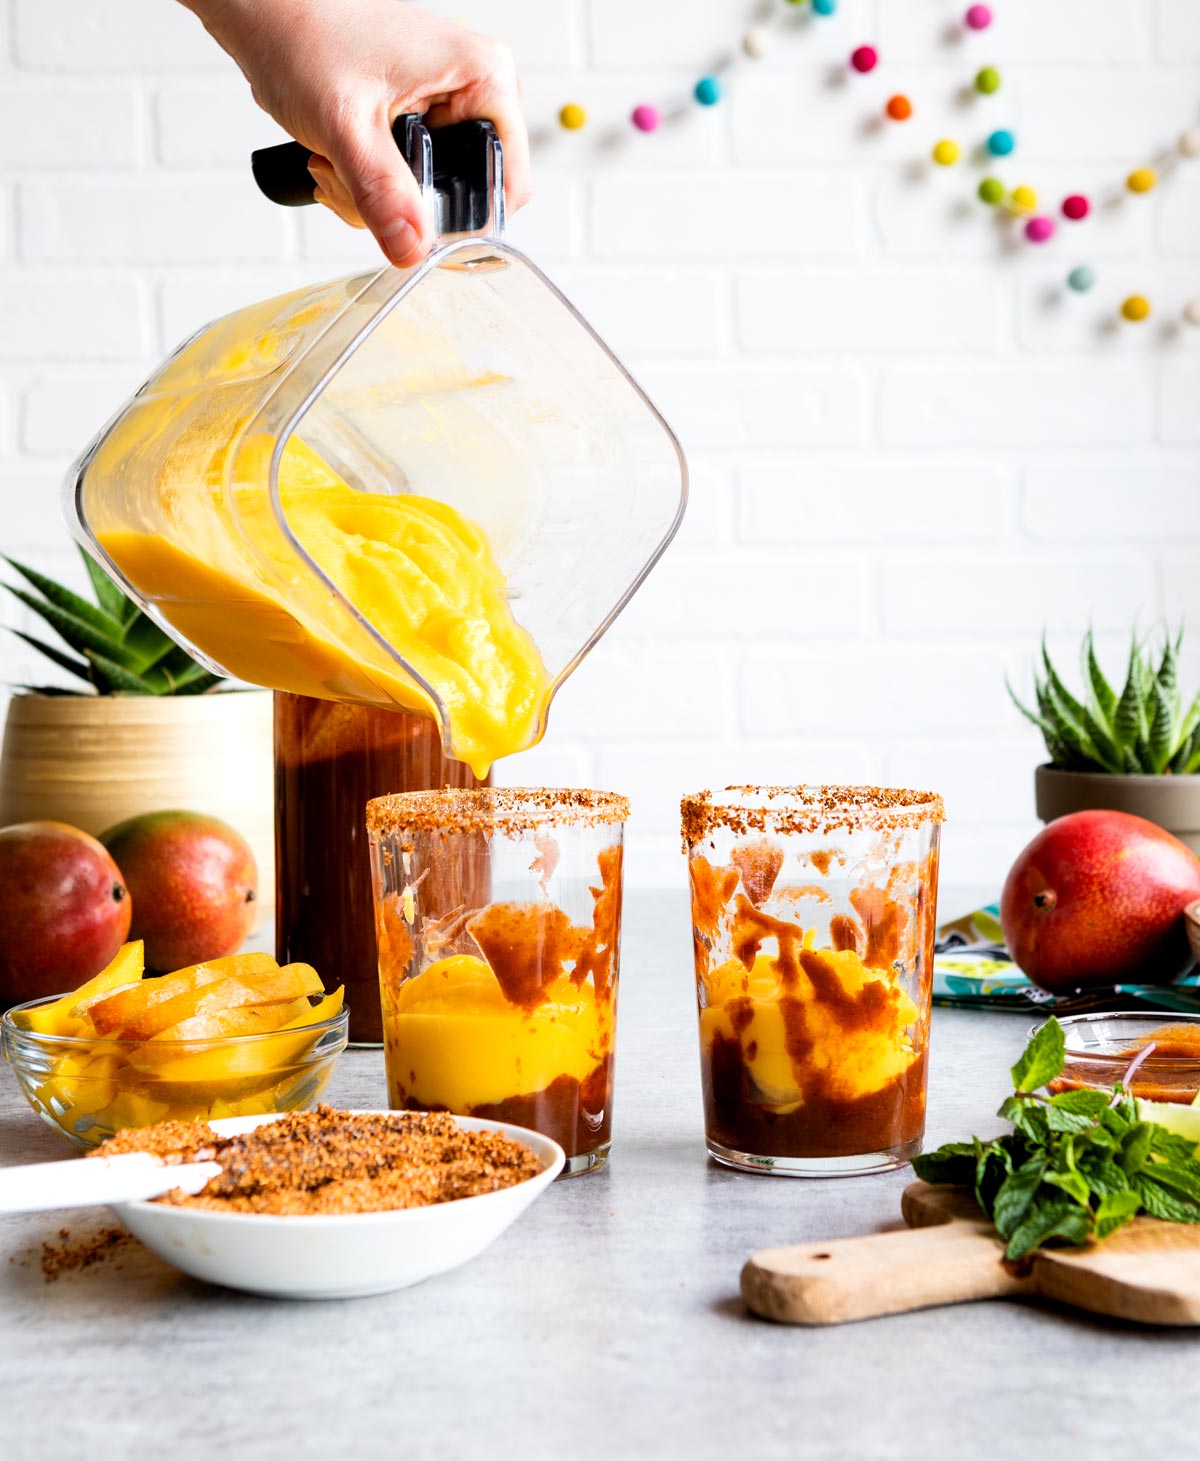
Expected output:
(1042, 1059)
(1076, 1166)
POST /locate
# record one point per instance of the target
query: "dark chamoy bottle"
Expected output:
(330, 760)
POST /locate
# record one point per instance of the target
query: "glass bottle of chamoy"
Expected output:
(330, 761)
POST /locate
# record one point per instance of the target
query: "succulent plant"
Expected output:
(1142, 729)
(118, 650)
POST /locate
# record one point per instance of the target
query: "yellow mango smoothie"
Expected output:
(467, 1047)
(417, 570)
(505, 1010)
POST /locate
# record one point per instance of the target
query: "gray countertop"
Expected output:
(606, 1323)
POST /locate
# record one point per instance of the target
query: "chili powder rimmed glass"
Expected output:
(498, 923)
(813, 916)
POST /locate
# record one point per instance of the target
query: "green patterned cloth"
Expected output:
(972, 970)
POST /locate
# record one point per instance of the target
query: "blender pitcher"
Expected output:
(467, 383)
(467, 388)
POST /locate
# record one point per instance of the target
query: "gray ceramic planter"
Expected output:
(1172, 802)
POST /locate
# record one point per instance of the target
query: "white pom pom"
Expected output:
(1191, 312)
(1189, 143)
(757, 42)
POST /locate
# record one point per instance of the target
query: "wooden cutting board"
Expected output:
(1147, 1272)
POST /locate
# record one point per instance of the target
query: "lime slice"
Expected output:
(1182, 1120)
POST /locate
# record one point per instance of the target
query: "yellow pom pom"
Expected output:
(1024, 198)
(572, 117)
(946, 153)
(1141, 180)
(1136, 308)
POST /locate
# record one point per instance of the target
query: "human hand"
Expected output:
(336, 73)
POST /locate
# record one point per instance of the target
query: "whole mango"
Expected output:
(1097, 898)
(193, 881)
(64, 909)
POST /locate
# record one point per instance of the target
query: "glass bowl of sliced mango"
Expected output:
(236, 1036)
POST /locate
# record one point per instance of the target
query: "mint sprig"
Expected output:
(1075, 1167)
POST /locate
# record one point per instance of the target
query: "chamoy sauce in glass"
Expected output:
(1101, 1050)
(330, 761)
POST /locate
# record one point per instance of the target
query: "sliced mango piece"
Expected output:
(236, 965)
(163, 1058)
(318, 1013)
(66, 1015)
(125, 971)
(211, 995)
(245, 1019)
(111, 1016)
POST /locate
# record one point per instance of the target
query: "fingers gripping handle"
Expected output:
(886, 1273)
(460, 170)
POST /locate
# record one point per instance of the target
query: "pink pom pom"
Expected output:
(1039, 230)
(646, 118)
(979, 17)
(1076, 207)
(865, 59)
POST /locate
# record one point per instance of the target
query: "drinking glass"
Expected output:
(498, 921)
(813, 914)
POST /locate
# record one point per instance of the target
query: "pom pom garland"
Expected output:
(758, 41)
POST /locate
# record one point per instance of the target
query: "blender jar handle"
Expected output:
(459, 169)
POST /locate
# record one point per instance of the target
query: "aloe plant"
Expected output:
(117, 650)
(1141, 729)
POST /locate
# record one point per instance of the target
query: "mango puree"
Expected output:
(829, 1022)
(454, 1040)
(418, 571)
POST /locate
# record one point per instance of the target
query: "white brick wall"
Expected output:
(910, 448)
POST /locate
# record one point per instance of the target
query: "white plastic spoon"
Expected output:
(98, 1181)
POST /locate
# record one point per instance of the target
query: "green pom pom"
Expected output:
(992, 191)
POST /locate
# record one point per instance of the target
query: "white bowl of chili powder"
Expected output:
(287, 1217)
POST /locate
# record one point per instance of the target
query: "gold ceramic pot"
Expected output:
(93, 760)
